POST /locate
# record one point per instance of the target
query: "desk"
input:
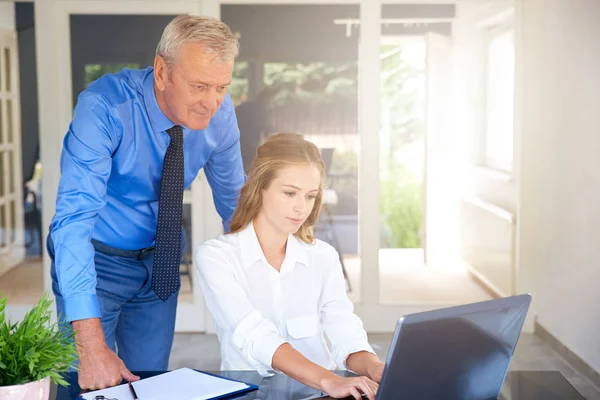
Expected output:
(519, 385)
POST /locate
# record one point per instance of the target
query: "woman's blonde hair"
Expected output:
(276, 153)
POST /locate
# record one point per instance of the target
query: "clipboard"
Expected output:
(251, 387)
(184, 383)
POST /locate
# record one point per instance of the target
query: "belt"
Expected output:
(106, 249)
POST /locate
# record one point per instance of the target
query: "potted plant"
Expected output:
(33, 352)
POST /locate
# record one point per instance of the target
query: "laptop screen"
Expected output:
(455, 353)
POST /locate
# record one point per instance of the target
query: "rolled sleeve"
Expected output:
(341, 326)
(256, 337)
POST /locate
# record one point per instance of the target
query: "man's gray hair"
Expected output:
(214, 35)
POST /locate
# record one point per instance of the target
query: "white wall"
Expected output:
(560, 181)
(487, 237)
(470, 41)
(7, 15)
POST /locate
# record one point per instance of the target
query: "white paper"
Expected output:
(181, 384)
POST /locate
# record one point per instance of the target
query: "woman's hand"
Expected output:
(338, 387)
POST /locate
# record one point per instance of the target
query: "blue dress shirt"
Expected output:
(111, 167)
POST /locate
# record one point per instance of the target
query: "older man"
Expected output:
(138, 138)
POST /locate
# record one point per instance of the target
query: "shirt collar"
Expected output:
(251, 251)
(158, 119)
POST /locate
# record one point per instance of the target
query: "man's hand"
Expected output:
(99, 366)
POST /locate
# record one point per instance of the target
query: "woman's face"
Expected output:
(290, 198)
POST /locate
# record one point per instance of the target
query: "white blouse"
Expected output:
(256, 308)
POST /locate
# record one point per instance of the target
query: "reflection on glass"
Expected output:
(238, 90)
(95, 71)
(319, 100)
(296, 86)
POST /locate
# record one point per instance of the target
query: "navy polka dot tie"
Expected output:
(167, 255)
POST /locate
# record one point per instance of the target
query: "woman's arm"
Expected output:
(257, 337)
(292, 363)
(367, 364)
(349, 343)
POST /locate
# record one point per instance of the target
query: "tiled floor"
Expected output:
(24, 283)
(405, 279)
(532, 354)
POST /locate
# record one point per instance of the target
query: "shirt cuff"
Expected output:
(82, 306)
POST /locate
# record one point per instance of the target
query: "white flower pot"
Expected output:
(38, 390)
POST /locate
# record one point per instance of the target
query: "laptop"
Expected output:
(460, 352)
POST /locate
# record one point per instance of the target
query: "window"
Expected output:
(95, 71)
(498, 140)
(238, 90)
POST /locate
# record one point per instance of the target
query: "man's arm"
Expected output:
(225, 171)
(86, 162)
(85, 168)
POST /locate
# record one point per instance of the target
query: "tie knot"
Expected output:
(175, 130)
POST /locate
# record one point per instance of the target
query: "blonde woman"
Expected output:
(277, 293)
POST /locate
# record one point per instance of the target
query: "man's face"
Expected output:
(191, 91)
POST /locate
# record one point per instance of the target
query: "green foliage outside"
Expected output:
(320, 84)
(95, 71)
(400, 208)
(238, 90)
(34, 348)
(401, 182)
(315, 83)
(402, 102)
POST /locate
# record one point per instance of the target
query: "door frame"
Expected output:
(14, 252)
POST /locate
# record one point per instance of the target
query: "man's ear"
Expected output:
(160, 73)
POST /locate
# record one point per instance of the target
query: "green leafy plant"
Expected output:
(34, 348)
